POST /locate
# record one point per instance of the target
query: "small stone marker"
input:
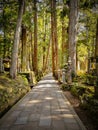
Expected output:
(1, 65)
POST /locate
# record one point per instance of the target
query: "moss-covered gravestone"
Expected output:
(1, 65)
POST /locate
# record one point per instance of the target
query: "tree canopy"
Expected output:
(42, 26)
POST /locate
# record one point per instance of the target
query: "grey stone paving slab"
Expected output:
(58, 125)
(34, 117)
(43, 108)
(4, 129)
(8, 122)
(69, 118)
(16, 127)
(72, 126)
(21, 120)
(45, 121)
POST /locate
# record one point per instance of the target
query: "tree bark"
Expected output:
(96, 56)
(44, 49)
(72, 33)
(64, 44)
(13, 68)
(46, 60)
(4, 31)
(54, 38)
(35, 64)
(24, 50)
(44, 39)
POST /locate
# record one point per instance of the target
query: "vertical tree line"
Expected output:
(96, 57)
(35, 66)
(46, 35)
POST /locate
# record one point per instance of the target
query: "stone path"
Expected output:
(43, 108)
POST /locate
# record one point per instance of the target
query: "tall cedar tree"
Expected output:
(96, 56)
(24, 49)
(54, 38)
(13, 68)
(73, 14)
(35, 38)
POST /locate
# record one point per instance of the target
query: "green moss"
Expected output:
(11, 91)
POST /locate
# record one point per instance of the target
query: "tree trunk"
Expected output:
(44, 38)
(54, 38)
(44, 49)
(89, 62)
(35, 38)
(46, 60)
(64, 45)
(72, 33)
(32, 51)
(24, 50)
(13, 69)
(4, 31)
(96, 56)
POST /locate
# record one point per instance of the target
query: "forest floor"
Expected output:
(83, 115)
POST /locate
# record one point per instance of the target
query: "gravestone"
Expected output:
(1, 65)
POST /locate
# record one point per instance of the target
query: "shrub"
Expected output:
(78, 89)
(64, 87)
(90, 80)
(90, 104)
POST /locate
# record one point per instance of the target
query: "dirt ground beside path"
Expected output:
(81, 113)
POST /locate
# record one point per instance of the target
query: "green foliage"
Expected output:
(87, 100)
(64, 12)
(85, 94)
(65, 87)
(8, 20)
(86, 78)
(79, 90)
(86, 36)
(27, 20)
(86, 28)
(82, 52)
(87, 3)
(90, 104)
(90, 79)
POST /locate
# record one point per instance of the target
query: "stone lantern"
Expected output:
(63, 76)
